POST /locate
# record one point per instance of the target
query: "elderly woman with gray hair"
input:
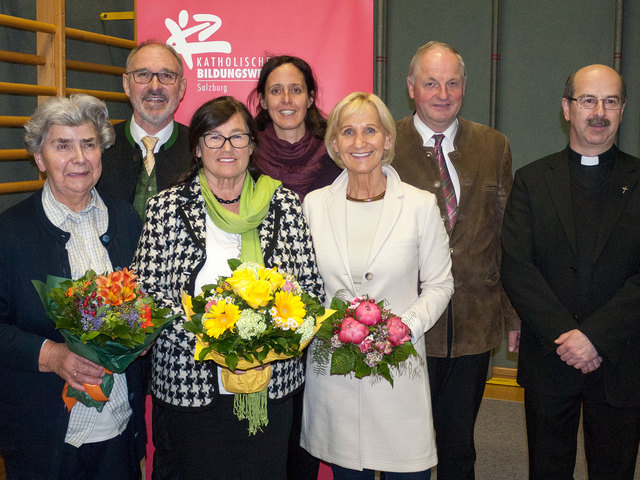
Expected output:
(63, 230)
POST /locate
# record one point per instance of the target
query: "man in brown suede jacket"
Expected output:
(472, 193)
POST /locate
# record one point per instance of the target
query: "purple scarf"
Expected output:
(302, 166)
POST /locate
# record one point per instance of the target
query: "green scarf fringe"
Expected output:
(252, 407)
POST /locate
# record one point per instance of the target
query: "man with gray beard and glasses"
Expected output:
(151, 151)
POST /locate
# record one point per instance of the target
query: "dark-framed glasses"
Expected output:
(145, 76)
(589, 102)
(237, 140)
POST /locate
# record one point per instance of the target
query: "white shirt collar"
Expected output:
(427, 134)
(163, 135)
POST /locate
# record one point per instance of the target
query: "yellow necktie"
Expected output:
(149, 159)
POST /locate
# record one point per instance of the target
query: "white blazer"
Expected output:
(366, 423)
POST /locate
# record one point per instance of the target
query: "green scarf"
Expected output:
(254, 206)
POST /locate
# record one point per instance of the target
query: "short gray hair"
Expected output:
(424, 49)
(148, 43)
(78, 109)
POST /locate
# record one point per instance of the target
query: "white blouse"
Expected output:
(220, 247)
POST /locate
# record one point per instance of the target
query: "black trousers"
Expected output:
(611, 435)
(213, 443)
(113, 459)
(457, 385)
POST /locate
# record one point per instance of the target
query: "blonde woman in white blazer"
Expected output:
(375, 235)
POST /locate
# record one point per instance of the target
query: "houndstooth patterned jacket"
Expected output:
(171, 252)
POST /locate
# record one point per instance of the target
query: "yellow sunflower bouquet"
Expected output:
(245, 322)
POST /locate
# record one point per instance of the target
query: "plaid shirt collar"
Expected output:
(58, 213)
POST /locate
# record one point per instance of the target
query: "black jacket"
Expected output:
(33, 417)
(122, 162)
(539, 273)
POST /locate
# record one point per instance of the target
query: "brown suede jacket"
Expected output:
(482, 159)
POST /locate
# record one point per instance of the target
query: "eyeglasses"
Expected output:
(238, 140)
(589, 102)
(144, 76)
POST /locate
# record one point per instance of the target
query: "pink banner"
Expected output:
(225, 43)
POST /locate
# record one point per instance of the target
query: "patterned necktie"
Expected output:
(149, 159)
(447, 186)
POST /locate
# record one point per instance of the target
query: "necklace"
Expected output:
(227, 202)
(380, 196)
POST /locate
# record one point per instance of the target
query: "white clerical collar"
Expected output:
(137, 133)
(589, 161)
(427, 134)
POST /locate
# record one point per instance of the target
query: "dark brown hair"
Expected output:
(313, 120)
(211, 115)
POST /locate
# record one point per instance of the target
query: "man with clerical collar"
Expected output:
(571, 267)
(467, 166)
(151, 151)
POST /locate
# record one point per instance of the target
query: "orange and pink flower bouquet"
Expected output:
(107, 319)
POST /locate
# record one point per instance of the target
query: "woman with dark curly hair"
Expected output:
(291, 126)
(292, 150)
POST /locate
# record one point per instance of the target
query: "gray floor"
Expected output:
(501, 443)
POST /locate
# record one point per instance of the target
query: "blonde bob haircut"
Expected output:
(352, 103)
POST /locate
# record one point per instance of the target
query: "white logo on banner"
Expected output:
(209, 24)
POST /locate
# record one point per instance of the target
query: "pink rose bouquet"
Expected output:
(364, 338)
